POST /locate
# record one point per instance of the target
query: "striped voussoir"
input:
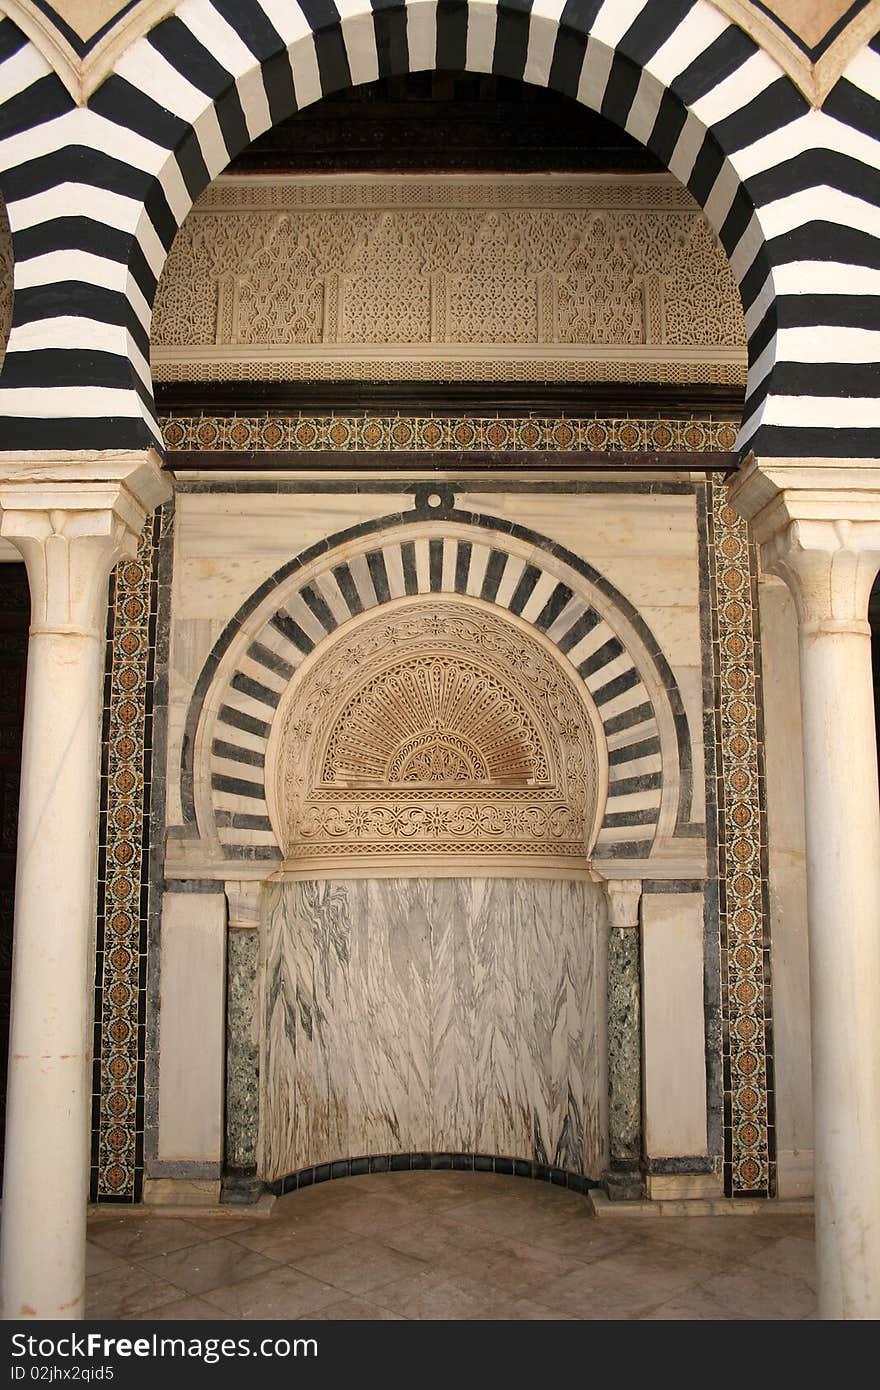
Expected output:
(95, 195)
(397, 568)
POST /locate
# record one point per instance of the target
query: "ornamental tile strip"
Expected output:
(312, 433)
(117, 1154)
(747, 1062)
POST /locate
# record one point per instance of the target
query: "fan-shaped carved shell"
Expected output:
(435, 720)
(440, 733)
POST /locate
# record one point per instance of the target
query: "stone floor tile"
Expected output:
(137, 1238)
(695, 1304)
(433, 1296)
(359, 1267)
(123, 1293)
(520, 1310)
(790, 1255)
(627, 1284)
(208, 1265)
(375, 1216)
(752, 1292)
(99, 1260)
(285, 1241)
(583, 1240)
(430, 1238)
(186, 1310)
(729, 1236)
(355, 1310)
(281, 1293)
(516, 1270)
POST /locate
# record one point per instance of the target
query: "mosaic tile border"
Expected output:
(747, 1057)
(392, 433)
(123, 865)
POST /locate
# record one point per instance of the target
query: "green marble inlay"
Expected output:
(242, 1049)
(624, 1046)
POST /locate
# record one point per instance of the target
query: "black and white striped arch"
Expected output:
(233, 713)
(95, 195)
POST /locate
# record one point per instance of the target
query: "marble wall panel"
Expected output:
(228, 543)
(445, 1015)
(193, 1024)
(673, 1025)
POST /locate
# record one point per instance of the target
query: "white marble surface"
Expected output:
(673, 1026)
(430, 1014)
(193, 1024)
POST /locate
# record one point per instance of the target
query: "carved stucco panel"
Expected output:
(563, 271)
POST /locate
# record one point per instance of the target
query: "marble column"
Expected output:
(72, 516)
(240, 1183)
(624, 1179)
(818, 527)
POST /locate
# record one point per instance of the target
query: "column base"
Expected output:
(241, 1187)
(624, 1185)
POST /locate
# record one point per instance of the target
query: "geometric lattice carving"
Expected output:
(599, 298)
(439, 730)
(456, 265)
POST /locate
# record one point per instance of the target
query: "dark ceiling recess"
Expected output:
(445, 122)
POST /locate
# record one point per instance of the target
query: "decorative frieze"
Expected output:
(397, 433)
(510, 280)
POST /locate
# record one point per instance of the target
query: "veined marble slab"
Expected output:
(439, 1015)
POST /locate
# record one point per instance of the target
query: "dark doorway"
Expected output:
(14, 619)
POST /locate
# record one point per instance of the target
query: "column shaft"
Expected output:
(818, 527)
(843, 886)
(71, 517)
(47, 1149)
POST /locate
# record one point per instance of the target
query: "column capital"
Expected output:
(624, 896)
(817, 526)
(72, 515)
(243, 899)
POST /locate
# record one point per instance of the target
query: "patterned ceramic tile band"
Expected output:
(395, 432)
(117, 1154)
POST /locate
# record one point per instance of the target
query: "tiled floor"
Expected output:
(429, 1245)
